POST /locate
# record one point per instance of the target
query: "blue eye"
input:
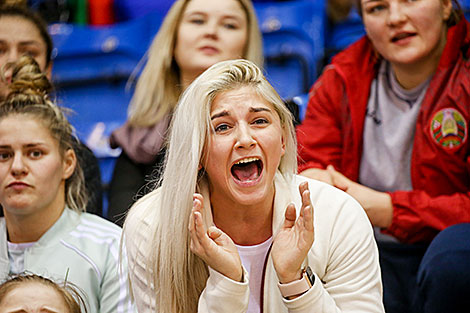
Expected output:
(221, 128)
(260, 121)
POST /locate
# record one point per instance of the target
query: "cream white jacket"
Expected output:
(343, 257)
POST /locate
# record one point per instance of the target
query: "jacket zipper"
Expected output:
(262, 281)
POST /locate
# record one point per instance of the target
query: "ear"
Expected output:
(48, 71)
(283, 144)
(447, 9)
(69, 163)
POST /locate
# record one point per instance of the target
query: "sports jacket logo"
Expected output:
(448, 128)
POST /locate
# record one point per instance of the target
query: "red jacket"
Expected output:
(332, 133)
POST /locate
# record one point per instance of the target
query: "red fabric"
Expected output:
(101, 12)
(333, 129)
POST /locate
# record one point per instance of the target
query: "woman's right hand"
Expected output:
(212, 245)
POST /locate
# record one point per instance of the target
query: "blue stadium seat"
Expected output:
(293, 36)
(466, 8)
(342, 34)
(302, 102)
(91, 68)
(130, 9)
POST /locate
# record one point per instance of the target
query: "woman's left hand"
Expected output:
(294, 240)
(378, 205)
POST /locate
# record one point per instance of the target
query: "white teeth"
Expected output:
(247, 160)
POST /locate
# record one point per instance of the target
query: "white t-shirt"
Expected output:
(253, 258)
(16, 256)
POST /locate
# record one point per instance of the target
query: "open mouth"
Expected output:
(247, 170)
(402, 36)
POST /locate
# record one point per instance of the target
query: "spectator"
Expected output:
(22, 31)
(221, 234)
(42, 193)
(31, 293)
(387, 122)
(194, 35)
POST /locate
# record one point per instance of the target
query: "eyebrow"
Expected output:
(29, 145)
(221, 114)
(44, 309)
(23, 43)
(259, 109)
(234, 16)
(30, 43)
(251, 109)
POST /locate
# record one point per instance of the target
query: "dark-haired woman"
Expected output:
(388, 123)
(24, 32)
(42, 193)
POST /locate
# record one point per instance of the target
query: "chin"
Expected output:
(17, 208)
(408, 58)
(251, 198)
(207, 61)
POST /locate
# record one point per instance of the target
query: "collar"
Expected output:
(67, 221)
(458, 37)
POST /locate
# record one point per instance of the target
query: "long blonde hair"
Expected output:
(158, 88)
(178, 275)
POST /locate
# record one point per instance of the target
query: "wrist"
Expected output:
(238, 276)
(381, 210)
(298, 287)
(290, 277)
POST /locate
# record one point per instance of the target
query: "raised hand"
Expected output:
(212, 245)
(294, 240)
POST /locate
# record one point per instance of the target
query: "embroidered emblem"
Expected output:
(449, 128)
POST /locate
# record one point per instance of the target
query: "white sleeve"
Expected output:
(223, 294)
(352, 280)
(137, 245)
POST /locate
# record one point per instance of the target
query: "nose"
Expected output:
(396, 15)
(245, 138)
(6, 71)
(7, 68)
(211, 29)
(18, 166)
